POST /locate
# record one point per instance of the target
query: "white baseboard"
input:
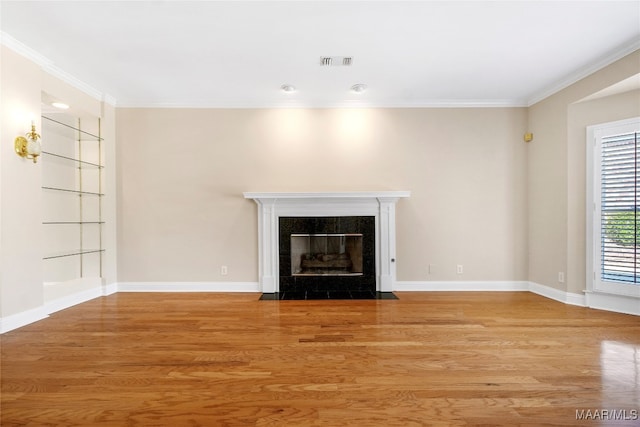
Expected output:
(558, 295)
(18, 320)
(189, 287)
(610, 302)
(600, 301)
(73, 299)
(494, 286)
(462, 286)
(110, 289)
(24, 318)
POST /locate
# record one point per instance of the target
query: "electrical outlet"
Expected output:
(431, 269)
(223, 270)
(561, 277)
(459, 269)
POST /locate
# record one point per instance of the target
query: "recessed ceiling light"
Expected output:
(359, 88)
(288, 88)
(60, 105)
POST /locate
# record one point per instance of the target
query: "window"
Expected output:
(613, 214)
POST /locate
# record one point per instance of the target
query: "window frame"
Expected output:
(595, 134)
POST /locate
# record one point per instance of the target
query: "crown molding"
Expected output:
(111, 100)
(233, 104)
(586, 71)
(24, 50)
(50, 68)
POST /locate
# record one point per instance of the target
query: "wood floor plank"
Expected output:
(450, 359)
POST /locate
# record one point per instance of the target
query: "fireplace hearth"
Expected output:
(314, 295)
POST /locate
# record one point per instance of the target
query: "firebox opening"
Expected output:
(326, 254)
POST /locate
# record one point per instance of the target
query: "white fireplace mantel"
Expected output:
(380, 204)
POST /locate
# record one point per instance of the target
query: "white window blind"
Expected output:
(619, 202)
(613, 216)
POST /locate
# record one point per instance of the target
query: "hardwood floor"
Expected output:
(199, 359)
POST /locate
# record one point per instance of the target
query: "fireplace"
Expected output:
(327, 254)
(346, 219)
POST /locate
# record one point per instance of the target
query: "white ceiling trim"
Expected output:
(50, 68)
(609, 59)
(231, 104)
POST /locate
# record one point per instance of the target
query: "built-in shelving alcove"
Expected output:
(72, 197)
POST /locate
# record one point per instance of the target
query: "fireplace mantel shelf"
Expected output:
(273, 205)
(327, 195)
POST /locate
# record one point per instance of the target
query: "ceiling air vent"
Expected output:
(326, 60)
(336, 61)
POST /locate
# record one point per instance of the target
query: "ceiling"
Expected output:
(239, 53)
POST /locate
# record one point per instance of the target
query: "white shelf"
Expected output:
(72, 172)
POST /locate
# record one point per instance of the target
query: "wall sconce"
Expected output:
(528, 137)
(29, 147)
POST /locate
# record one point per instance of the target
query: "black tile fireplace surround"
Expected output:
(323, 287)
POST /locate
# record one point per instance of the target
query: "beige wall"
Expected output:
(556, 172)
(22, 83)
(20, 193)
(182, 173)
